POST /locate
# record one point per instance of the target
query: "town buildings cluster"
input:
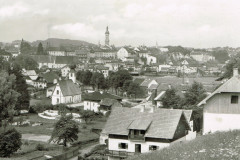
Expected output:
(146, 127)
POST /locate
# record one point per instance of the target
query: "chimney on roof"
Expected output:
(235, 72)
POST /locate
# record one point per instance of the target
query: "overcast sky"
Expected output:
(190, 23)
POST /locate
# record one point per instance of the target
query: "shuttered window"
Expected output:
(123, 146)
(234, 99)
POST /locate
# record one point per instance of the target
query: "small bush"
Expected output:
(39, 147)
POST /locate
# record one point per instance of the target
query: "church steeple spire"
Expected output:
(107, 37)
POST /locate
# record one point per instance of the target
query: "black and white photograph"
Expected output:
(119, 80)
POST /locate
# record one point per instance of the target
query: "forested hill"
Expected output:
(56, 42)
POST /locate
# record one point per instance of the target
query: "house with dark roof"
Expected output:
(130, 131)
(107, 104)
(92, 100)
(221, 111)
(66, 92)
(44, 60)
(62, 61)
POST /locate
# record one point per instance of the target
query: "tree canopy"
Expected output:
(8, 97)
(65, 130)
(21, 87)
(25, 48)
(194, 94)
(40, 49)
(10, 141)
(221, 55)
(170, 99)
(25, 61)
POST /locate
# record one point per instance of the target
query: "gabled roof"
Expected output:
(140, 124)
(159, 96)
(50, 76)
(68, 88)
(43, 58)
(153, 86)
(231, 86)
(65, 59)
(110, 102)
(97, 96)
(138, 80)
(164, 122)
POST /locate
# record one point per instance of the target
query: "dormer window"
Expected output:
(234, 99)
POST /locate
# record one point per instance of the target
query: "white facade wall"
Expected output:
(113, 145)
(56, 53)
(59, 65)
(122, 53)
(49, 65)
(92, 106)
(213, 122)
(40, 84)
(151, 60)
(57, 97)
(191, 134)
(64, 71)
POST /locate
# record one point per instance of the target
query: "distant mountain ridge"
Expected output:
(57, 42)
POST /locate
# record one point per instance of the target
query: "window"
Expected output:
(234, 99)
(57, 100)
(153, 148)
(57, 91)
(123, 146)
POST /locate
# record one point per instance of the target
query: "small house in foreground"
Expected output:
(130, 131)
(92, 100)
(221, 110)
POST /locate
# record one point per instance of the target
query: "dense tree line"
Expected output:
(120, 81)
(14, 96)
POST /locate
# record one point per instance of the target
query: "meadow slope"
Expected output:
(222, 145)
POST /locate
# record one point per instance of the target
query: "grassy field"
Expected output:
(28, 149)
(225, 145)
(47, 127)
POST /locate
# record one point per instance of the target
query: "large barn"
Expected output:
(221, 109)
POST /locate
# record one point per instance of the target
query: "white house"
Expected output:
(123, 53)
(137, 130)
(66, 92)
(65, 70)
(92, 100)
(221, 111)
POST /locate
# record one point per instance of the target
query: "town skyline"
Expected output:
(198, 24)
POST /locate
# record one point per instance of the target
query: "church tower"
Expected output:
(107, 37)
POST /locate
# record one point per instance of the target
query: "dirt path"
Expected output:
(36, 137)
(85, 150)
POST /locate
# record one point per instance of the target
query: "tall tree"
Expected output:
(20, 87)
(170, 99)
(194, 94)
(40, 49)
(87, 77)
(8, 98)
(134, 89)
(25, 47)
(65, 130)
(97, 80)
